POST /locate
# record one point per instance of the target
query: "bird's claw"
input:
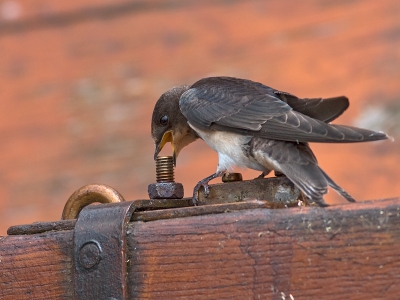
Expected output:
(206, 189)
(204, 183)
(195, 199)
(196, 191)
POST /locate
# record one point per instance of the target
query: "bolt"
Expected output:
(89, 255)
(166, 187)
(231, 177)
(164, 169)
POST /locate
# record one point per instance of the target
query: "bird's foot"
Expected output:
(196, 191)
(204, 183)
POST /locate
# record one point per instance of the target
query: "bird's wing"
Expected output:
(325, 110)
(247, 107)
(230, 102)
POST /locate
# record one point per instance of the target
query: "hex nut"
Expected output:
(165, 190)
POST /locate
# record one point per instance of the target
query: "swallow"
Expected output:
(251, 125)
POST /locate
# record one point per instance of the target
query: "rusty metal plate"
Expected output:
(100, 251)
(278, 191)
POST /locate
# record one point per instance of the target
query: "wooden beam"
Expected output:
(37, 266)
(340, 252)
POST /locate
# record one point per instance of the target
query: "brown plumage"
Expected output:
(252, 125)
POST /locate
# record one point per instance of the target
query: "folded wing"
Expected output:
(247, 107)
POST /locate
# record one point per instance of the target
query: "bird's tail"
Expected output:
(313, 182)
(309, 179)
(298, 163)
(337, 188)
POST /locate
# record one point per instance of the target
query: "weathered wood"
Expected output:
(339, 252)
(36, 266)
(40, 227)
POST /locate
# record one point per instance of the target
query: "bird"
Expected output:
(251, 125)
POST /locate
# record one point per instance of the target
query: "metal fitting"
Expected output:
(88, 194)
(166, 187)
(232, 177)
(90, 254)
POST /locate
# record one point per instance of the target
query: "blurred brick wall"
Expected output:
(79, 80)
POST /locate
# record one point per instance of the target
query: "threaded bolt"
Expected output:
(164, 169)
(165, 187)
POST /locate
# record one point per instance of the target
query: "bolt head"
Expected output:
(165, 190)
(232, 177)
(89, 255)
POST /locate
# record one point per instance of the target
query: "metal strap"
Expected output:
(100, 251)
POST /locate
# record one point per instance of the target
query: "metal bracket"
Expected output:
(100, 251)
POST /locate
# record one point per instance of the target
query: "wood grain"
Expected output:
(36, 266)
(340, 252)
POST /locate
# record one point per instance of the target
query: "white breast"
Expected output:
(230, 149)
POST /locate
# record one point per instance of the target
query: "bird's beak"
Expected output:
(167, 137)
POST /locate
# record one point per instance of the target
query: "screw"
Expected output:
(166, 187)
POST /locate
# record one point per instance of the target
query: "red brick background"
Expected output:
(79, 80)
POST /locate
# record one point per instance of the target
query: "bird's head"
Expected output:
(169, 124)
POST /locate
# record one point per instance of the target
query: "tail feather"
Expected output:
(298, 163)
(338, 189)
(313, 182)
(309, 179)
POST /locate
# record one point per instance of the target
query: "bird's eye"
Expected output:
(164, 120)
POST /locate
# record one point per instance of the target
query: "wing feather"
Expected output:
(322, 109)
(247, 107)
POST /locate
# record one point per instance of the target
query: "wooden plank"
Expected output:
(36, 266)
(339, 252)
